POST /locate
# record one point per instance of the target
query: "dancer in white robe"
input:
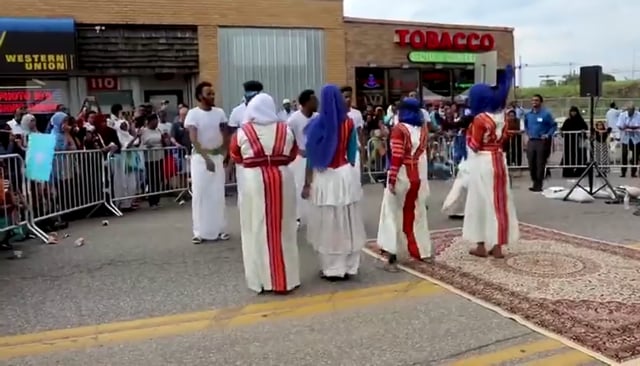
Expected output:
(403, 229)
(207, 130)
(264, 146)
(489, 215)
(453, 204)
(335, 229)
(297, 122)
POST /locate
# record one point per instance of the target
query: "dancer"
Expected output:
(207, 130)
(297, 122)
(489, 215)
(337, 230)
(453, 204)
(403, 227)
(264, 147)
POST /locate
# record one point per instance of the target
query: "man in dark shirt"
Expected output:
(179, 135)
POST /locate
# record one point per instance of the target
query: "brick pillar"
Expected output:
(208, 53)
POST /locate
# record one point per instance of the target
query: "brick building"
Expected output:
(132, 52)
(386, 60)
(135, 51)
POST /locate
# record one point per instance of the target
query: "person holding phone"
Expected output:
(629, 126)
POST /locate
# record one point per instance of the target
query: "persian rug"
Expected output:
(580, 289)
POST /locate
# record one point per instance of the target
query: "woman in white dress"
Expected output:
(489, 215)
(403, 230)
(264, 146)
(335, 226)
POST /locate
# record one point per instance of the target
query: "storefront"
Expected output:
(38, 55)
(228, 44)
(386, 61)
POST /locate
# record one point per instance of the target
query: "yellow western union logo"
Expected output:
(3, 35)
(39, 62)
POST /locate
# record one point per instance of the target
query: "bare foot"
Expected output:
(479, 251)
(496, 252)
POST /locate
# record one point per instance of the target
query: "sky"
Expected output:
(552, 36)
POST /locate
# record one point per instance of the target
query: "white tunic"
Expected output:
(335, 228)
(297, 122)
(489, 214)
(403, 227)
(268, 211)
(208, 204)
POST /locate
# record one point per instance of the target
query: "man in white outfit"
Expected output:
(297, 122)
(207, 127)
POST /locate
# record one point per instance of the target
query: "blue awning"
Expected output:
(60, 25)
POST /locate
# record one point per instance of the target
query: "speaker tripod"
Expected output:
(593, 167)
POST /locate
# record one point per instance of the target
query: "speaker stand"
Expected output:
(592, 168)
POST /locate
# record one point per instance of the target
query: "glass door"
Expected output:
(402, 82)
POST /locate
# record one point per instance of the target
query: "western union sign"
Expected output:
(36, 46)
(50, 62)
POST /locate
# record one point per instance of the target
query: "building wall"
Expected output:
(373, 42)
(207, 15)
(285, 61)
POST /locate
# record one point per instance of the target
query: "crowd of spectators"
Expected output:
(131, 149)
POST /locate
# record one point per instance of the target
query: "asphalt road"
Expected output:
(143, 265)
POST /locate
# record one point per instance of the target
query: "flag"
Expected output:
(39, 159)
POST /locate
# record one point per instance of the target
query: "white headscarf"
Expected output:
(261, 110)
(25, 123)
(124, 136)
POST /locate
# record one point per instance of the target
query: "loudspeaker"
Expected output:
(591, 81)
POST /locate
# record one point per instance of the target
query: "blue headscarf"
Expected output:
(55, 127)
(484, 98)
(409, 112)
(322, 131)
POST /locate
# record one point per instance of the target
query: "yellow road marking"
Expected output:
(569, 358)
(511, 353)
(136, 330)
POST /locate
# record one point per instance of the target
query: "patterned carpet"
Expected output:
(582, 289)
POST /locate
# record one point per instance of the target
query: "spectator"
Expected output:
(513, 146)
(180, 136)
(14, 123)
(574, 156)
(612, 120)
(163, 123)
(115, 119)
(600, 136)
(629, 126)
(127, 168)
(540, 128)
(151, 139)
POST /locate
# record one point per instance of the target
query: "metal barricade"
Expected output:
(76, 183)
(571, 152)
(153, 172)
(16, 199)
(439, 154)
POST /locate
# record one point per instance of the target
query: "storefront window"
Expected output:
(436, 85)
(463, 80)
(370, 87)
(402, 82)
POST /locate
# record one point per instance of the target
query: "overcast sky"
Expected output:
(556, 32)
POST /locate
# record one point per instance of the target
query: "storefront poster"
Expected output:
(38, 101)
(34, 46)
